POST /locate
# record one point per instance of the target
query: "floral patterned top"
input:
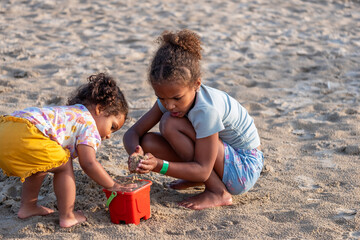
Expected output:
(67, 125)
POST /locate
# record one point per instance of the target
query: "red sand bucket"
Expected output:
(131, 205)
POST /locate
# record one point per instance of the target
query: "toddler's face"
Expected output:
(107, 125)
(176, 98)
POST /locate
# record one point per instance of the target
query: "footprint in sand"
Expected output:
(352, 149)
(325, 158)
(11, 191)
(306, 183)
(355, 235)
(346, 214)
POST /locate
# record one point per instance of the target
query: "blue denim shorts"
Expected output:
(242, 169)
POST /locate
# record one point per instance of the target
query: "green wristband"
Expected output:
(165, 167)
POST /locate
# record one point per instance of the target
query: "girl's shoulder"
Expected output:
(205, 104)
(209, 97)
(212, 92)
(211, 102)
(77, 109)
(60, 108)
(69, 113)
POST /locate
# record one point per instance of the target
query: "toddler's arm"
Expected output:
(92, 168)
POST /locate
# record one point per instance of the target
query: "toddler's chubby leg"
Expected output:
(65, 191)
(29, 197)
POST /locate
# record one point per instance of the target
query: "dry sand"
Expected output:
(294, 64)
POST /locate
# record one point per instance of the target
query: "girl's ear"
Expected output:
(97, 110)
(197, 84)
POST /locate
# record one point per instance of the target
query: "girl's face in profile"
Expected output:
(176, 97)
(107, 125)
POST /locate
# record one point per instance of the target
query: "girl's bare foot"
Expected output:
(25, 212)
(207, 199)
(181, 184)
(76, 218)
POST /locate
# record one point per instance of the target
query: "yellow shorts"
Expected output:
(24, 150)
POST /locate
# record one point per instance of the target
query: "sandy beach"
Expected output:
(295, 66)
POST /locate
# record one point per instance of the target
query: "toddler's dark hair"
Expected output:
(178, 58)
(101, 89)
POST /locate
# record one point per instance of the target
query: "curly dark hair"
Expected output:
(101, 89)
(178, 58)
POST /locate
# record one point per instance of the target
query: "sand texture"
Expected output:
(294, 64)
(134, 162)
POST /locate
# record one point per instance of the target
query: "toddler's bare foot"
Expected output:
(207, 199)
(76, 218)
(27, 211)
(181, 184)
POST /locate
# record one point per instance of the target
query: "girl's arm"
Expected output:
(92, 168)
(132, 136)
(199, 170)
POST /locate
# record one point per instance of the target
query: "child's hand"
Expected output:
(119, 187)
(138, 152)
(147, 164)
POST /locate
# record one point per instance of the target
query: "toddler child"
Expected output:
(205, 134)
(36, 141)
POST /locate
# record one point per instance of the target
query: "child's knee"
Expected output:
(168, 124)
(164, 122)
(148, 141)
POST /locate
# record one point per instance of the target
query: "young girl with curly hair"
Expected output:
(35, 141)
(206, 136)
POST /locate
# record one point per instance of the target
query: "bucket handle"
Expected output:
(113, 194)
